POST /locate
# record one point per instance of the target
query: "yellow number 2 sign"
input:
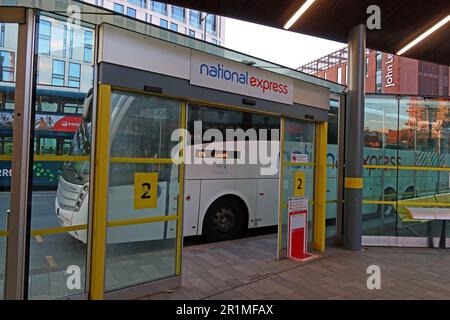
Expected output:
(145, 190)
(299, 184)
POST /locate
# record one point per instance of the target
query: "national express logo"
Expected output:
(245, 79)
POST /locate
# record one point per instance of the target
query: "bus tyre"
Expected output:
(224, 220)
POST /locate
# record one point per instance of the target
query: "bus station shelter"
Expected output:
(145, 82)
(120, 183)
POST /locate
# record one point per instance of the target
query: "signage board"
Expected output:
(217, 73)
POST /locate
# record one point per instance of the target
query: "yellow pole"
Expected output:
(101, 170)
(181, 194)
(320, 187)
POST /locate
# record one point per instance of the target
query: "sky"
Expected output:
(280, 46)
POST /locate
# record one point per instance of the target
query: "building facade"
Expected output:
(386, 73)
(200, 25)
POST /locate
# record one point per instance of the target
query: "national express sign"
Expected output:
(212, 72)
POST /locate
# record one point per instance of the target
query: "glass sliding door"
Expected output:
(60, 170)
(143, 233)
(297, 161)
(8, 54)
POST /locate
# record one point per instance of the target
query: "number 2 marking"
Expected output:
(146, 189)
(300, 182)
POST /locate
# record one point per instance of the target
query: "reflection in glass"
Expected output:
(332, 169)
(409, 138)
(60, 189)
(8, 50)
(139, 250)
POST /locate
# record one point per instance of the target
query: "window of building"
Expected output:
(71, 44)
(173, 26)
(211, 24)
(7, 63)
(213, 41)
(99, 3)
(178, 13)
(139, 3)
(2, 34)
(74, 75)
(195, 18)
(379, 58)
(339, 75)
(159, 7)
(191, 33)
(45, 35)
(73, 108)
(131, 12)
(119, 8)
(88, 44)
(163, 23)
(58, 73)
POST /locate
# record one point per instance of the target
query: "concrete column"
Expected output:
(354, 139)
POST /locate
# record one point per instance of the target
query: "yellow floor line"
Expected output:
(39, 239)
(51, 261)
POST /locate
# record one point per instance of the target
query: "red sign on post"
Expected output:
(298, 228)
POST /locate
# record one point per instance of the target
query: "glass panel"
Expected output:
(60, 189)
(178, 13)
(195, 18)
(332, 169)
(299, 139)
(131, 12)
(407, 151)
(380, 185)
(424, 130)
(137, 250)
(8, 50)
(159, 7)
(211, 24)
(118, 8)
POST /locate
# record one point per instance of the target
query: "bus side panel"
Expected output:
(191, 208)
(214, 189)
(266, 213)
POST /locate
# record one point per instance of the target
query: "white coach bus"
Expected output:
(220, 201)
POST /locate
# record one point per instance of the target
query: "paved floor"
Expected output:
(246, 269)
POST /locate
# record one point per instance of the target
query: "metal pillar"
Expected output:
(16, 280)
(354, 139)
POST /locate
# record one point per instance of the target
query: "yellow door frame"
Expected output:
(100, 194)
(320, 186)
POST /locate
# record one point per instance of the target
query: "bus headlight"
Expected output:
(83, 193)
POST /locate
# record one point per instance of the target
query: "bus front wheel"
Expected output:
(224, 220)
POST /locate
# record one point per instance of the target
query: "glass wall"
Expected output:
(144, 190)
(332, 168)
(298, 158)
(8, 53)
(62, 140)
(406, 164)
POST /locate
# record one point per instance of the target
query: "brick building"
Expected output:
(386, 73)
